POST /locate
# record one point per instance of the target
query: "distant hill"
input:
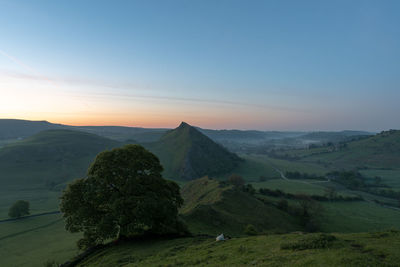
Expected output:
(187, 154)
(52, 157)
(121, 133)
(378, 151)
(234, 140)
(14, 129)
(19, 129)
(211, 207)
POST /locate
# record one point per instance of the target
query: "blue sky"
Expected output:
(271, 65)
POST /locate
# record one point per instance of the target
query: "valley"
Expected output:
(38, 167)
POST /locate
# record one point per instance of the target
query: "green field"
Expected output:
(40, 199)
(389, 177)
(32, 241)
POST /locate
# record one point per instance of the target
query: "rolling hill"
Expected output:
(381, 151)
(212, 207)
(187, 154)
(50, 157)
(14, 129)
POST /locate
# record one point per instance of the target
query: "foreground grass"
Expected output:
(366, 249)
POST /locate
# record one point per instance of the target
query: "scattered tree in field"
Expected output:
(250, 230)
(123, 195)
(19, 209)
(236, 180)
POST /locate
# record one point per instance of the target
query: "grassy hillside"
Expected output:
(367, 249)
(211, 207)
(376, 152)
(49, 158)
(187, 154)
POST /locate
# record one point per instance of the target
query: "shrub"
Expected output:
(250, 230)
(311, 242)
(19, 209)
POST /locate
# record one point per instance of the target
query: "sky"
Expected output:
(267, 65)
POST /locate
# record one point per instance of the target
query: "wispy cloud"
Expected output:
(33, 72)
(69, 86)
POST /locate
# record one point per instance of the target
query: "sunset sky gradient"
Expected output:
(269, 65)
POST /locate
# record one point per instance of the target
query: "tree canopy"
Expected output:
(19, 209)
(123, 195)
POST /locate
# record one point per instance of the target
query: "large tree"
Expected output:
(19, 209)
(123, 195)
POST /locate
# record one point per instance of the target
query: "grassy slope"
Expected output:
(375, 249)
(212, 209)
(50, 156)
(252, 168)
